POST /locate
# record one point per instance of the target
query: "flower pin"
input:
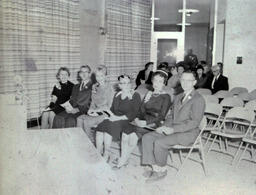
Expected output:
(189, 96)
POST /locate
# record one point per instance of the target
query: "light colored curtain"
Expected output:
(128, 36)
(36, 39)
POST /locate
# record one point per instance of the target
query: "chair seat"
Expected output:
(185, 147)
(250, 140)
(229, 133)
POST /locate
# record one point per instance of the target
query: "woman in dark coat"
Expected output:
(60, 94)
(79, 102)
(145, 76)
(152, 113)
(200, 77)
(124, 109)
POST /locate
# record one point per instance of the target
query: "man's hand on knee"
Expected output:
(165, 130)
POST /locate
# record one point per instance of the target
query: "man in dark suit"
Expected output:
(183, 129)
(217, 81)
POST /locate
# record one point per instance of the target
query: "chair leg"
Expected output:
(201, 150)
(209, 149)
(237, 152)
(242, 155)
(220, 145)
(171, 155)
(182, 164)
(180, 155)
(226, 144)
(208, 138)
(38, 124)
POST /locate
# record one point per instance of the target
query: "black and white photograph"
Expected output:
(121, 97)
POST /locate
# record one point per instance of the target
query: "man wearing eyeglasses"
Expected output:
(182, 129)
(217, 81)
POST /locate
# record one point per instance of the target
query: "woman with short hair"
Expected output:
(79, 102)
(60, 94)
(124, 109)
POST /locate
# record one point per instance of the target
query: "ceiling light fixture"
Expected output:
(189, 12)
(186, 24)
(155, 18)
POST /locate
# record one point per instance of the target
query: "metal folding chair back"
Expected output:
(223, 94)
(212, 112)
(253, 95)
(237, 90)
(204, 91)
(244, 96)
(210, 98)
(251, 105)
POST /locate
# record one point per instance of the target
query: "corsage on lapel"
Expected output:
(189, 96)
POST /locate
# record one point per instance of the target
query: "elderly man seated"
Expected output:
(188, 110)
(217, 81)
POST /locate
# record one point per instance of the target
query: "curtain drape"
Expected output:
(128, 36)
(36, 39)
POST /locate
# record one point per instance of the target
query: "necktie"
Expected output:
(213, 81)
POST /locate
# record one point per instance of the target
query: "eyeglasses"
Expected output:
(122, 83)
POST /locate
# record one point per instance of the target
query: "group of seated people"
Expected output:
(105, 114)
(207, 77)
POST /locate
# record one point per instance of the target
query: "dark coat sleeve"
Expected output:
(135, 106)
(140, 76)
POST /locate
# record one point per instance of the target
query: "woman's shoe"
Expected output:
(117, 167)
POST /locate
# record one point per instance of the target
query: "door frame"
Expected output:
(167, 35)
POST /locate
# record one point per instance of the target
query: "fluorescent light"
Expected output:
(155, 18)
(186, 24)
(189, 11)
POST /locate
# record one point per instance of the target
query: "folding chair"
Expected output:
(250, 140)
(210, 99)
(251, 105)
(244, 96)
(196, 145)
(212, 113)
(222, 94)
(204, 91)
(231, 102)
(238, 90)
(253, 95)
(235, 125)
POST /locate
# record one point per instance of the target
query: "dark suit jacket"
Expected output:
(187, 117)
(220, 84)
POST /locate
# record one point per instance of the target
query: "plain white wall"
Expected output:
(92, 43)
(240, 40)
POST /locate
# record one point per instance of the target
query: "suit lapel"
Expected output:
(190, 96)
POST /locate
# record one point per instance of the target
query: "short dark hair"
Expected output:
(62, 69)
(200, 67)
(83, 66)
(161, 73)
(123, 76)
(148, 64)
